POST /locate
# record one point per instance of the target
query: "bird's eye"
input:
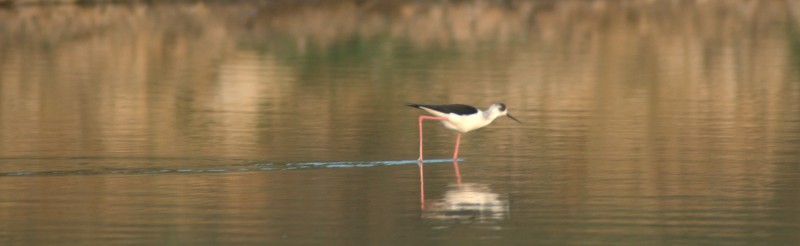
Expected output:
(502, 107)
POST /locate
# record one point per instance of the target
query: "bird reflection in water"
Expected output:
(464, 202)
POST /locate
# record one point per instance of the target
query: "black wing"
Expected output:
(459, 109)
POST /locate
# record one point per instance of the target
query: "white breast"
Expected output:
(462, 123)
(466, 123)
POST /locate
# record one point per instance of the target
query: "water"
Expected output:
(644, 123)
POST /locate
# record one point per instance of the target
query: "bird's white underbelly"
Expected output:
(465, 123)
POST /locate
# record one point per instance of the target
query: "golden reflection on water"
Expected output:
(626, 103)
(117, 80)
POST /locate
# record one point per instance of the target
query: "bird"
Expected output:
(461, 118)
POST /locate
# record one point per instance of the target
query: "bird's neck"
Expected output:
(490, 115)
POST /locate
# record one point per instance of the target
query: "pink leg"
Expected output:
(423, 117)
(458, 141)
(458, 174)
(421, 177)
(421, 187)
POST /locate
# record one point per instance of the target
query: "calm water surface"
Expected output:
(645, 123)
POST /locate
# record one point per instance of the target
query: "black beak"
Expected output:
(512, 117)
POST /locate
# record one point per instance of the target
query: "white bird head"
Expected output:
(499, 109)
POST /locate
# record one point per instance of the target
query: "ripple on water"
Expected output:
(242, 167)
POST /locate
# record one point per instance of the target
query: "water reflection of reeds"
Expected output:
(725, 57)
(694, 52)
(694, 84)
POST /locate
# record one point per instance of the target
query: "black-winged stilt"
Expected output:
(460, 117)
